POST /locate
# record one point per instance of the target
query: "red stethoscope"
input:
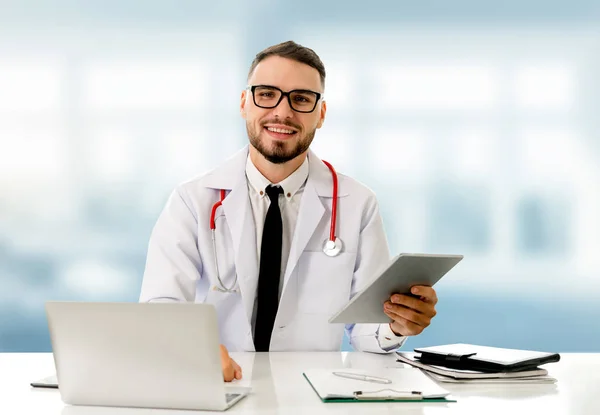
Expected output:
(331, 247)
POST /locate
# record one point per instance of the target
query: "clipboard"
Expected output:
(330, 389)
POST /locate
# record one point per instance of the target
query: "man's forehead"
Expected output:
(286, 74)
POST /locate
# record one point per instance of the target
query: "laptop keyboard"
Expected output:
(231, 396)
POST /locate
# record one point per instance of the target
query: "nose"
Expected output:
(283, 110)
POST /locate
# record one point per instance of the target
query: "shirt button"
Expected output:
(289, 195)
(262, 193)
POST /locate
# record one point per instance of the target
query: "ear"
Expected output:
(243, 103)
(322, 115)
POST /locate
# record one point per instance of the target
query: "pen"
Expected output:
(366, 378)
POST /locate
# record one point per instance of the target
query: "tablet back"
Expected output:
(404, 271)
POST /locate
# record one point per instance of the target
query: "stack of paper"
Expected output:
(446, 375)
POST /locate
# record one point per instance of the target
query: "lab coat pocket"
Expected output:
(324, 283)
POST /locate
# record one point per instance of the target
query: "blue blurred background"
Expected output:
(475, 122)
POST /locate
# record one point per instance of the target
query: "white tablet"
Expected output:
(404, 272)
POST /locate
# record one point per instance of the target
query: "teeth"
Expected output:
(280, 130)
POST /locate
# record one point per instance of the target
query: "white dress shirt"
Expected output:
(289, 205)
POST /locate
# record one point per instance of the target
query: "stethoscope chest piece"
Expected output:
(332, 248)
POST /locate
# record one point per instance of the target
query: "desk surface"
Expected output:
(278, 387)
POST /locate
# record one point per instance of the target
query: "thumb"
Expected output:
(224, 351)
(224, 354)
(228, 371)
(397, 328)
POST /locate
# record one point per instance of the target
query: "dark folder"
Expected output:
(484, 358)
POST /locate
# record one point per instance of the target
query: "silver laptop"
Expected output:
(139, 355)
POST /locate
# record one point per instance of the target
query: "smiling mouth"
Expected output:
(280, 130)
(279, 133)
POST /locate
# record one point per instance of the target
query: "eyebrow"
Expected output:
(293, 89)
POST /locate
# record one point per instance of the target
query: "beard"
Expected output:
(278, 152)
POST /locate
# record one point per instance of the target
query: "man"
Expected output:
(258, 256)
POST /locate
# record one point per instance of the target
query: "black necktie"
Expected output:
(270, 270)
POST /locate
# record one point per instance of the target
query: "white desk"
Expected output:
(278, 387)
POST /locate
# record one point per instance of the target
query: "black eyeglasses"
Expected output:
(300, 100)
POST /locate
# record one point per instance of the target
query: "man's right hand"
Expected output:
(231, 370)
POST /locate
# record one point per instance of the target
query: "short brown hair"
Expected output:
(294, 51)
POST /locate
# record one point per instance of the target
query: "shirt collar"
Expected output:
(290, 184)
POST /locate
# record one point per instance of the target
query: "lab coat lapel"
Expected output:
(238, 214)
(309, 216)
(319, 185)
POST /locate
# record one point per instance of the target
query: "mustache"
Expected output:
(282, 122)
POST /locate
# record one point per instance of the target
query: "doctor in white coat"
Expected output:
(276, 289)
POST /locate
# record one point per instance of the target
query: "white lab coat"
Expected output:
(180, 263)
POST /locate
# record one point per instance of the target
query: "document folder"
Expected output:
(484, 358)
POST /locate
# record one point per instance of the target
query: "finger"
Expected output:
(426, 293)
(228, 372)
(409, 302)
(425, 313)
(414, 304)
(237, 369)
(401, 317)
(407, 328)
(394, 311)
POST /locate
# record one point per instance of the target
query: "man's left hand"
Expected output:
(411, 314)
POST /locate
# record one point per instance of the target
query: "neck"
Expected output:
(275, 173)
